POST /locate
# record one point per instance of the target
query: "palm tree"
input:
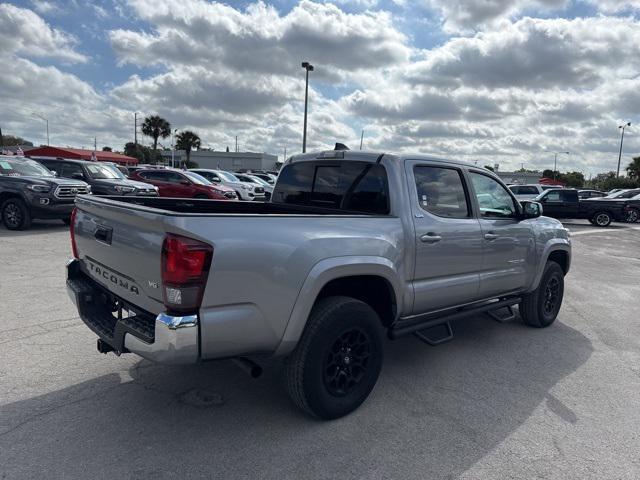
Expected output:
(633, 170)
(186, 141)
(155, 127)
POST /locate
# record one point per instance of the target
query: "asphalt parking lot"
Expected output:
(499, 401)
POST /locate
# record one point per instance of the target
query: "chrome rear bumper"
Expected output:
(164, 339)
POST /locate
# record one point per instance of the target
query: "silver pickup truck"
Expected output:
(352, 247)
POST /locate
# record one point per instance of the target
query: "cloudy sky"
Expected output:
(493, 81)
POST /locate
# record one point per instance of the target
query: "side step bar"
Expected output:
(426, 321)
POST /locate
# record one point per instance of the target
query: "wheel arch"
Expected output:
(373, 280)
(558, 251)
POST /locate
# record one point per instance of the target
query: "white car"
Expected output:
(245, 191)
(260, 182)
(529, 192)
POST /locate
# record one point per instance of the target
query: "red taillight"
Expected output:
(185, 267)
(72, 233)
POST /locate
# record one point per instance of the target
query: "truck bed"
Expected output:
(195, 206)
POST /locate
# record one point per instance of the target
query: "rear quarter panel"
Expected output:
(260, 264)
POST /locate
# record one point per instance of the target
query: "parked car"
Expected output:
(256, 181)
(582, 194)
(353, 247)
(526, 192)
(624, 194)
(245, 191)
(29, 190)
(565, 203)
(530, 191)
(181, 184)
(267, 177)
(103, 178)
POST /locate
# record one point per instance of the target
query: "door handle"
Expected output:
(430, 238)
(490, 236)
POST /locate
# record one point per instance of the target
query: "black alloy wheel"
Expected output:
(347, 361)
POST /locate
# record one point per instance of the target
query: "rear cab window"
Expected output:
(347, 185)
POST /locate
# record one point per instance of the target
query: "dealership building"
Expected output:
(230, 161)
(79, 154)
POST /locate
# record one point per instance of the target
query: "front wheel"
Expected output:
(633, 215)
(602, 219)
(540, 308)
(338, 359)
(15, 214)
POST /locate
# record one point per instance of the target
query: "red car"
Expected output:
(181, 184)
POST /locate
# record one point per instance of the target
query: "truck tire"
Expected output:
(338, 359)
(540, 308)
(601, 219)
(15, 214)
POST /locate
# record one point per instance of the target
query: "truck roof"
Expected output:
(370, 156)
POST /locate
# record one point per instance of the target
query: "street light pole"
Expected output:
(555, 163)
(135, 131)
(309, 68)
(173, 147)
(628, 124)
(46, 121)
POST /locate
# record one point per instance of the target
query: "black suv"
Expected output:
(28, 191)
(103, 178)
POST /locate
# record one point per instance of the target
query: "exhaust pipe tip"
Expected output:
(248, 366)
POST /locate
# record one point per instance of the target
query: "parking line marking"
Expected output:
(602, 230)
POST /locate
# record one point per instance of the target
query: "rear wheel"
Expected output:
(338, 359)
(540, 308)
(15, 214)
(602, 219)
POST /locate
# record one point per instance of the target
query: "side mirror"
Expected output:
(185, 182)
(215, 180)
(55, 174)
(531, 209)
(77, 176)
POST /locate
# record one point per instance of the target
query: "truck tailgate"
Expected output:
(120, 247)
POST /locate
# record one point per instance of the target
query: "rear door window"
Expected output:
(348, 185)
(441, 191)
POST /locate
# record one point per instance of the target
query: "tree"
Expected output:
(633, 169)
(187, 140)
(10, 141)
(572, 179)
(547, 173)
(156, 127)
(142, 153)
(107, 149)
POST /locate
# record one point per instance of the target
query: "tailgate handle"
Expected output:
(103, 234)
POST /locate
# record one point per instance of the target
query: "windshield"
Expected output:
(103, 172)
(116, 170)
(227, 176)
(259, 181)
(23, 168)
(624, 194)
(196, 178)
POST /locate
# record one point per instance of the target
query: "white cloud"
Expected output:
(23, 32)
(615, 6)
(259, 39)
(472, 15)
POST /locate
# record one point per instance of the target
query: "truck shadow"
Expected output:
(38, 227)
(434, 413)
